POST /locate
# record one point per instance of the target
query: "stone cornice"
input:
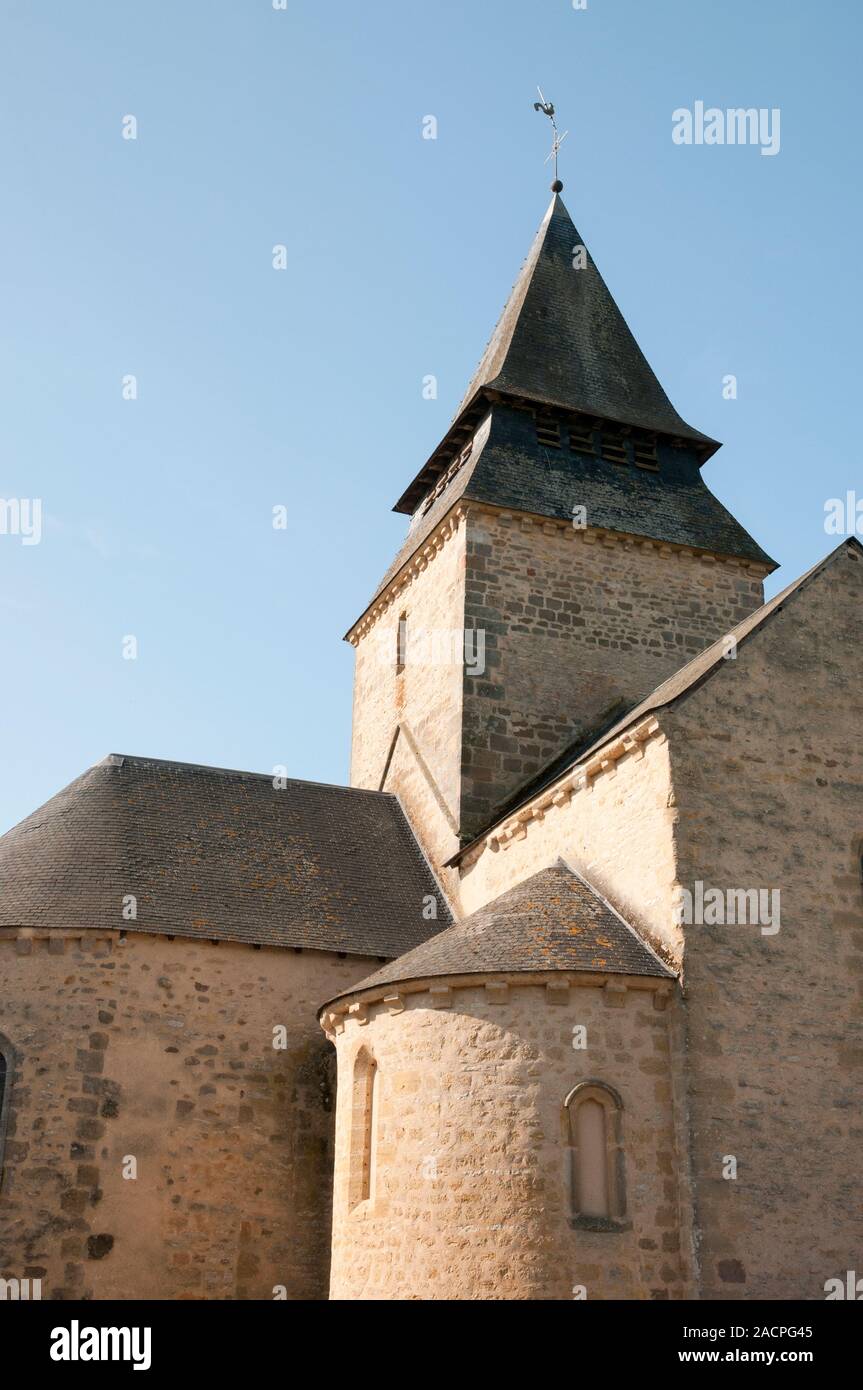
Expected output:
(419, 561)
(98, 940)
(588, 535)
(601, 535)
(580, 778)
(361, 1005)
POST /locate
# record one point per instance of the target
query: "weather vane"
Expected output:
(547, 109)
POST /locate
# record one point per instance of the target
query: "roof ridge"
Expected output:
(555, 300)
(221, 857)
(642, 940)
(517, 292)
(118, 759)
(742, 630)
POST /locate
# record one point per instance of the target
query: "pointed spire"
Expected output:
(562, 341)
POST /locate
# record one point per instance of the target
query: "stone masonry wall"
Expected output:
(618, 831)
(575, 626)
(767, 765)
(469, 1195)
(162, 1050)
(424, 767)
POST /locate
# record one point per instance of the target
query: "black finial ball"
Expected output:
(557, 186)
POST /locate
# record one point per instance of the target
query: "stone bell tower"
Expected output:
(563, 558)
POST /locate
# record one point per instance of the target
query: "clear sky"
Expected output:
(302, 387)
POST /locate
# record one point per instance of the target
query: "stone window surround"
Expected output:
(612, 1104)
(361, 1008)
(402, 642)
(364, 1084)
(579, 778)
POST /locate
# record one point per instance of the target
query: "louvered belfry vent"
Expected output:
(582, 436)
(599, 439)
(565, 409)
(644, 451)
(548, 431)
(614, 447)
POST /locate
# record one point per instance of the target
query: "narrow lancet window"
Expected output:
(402, 644)
(594, 1157)
(592, 1175)
(364, 1123)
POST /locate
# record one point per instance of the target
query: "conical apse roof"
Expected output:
(554, 920)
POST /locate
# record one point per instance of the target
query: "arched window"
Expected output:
(364, 1124)
(596, 1195)
(6, 1068)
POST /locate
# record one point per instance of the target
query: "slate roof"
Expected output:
(218, 854)
(677, 686)
(554, 920)
(510, 469)
(562, 340)
(562, 344)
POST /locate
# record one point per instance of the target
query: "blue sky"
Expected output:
(303, 387)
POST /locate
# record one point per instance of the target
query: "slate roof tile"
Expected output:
(218, 854)
(554, 920)
(508, 468)
(561, 340)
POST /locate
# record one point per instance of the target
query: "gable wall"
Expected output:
(618, 833)
(767, 768)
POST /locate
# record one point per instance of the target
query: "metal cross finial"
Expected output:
(547, 109)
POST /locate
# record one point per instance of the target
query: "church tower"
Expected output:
(564, 557)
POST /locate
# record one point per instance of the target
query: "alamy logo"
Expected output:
(20, 1290)
(77, 1343)
(737, 126)
(843, 516)
(21, 516)
(430, 646)
(719, 907)
(850, 1287)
